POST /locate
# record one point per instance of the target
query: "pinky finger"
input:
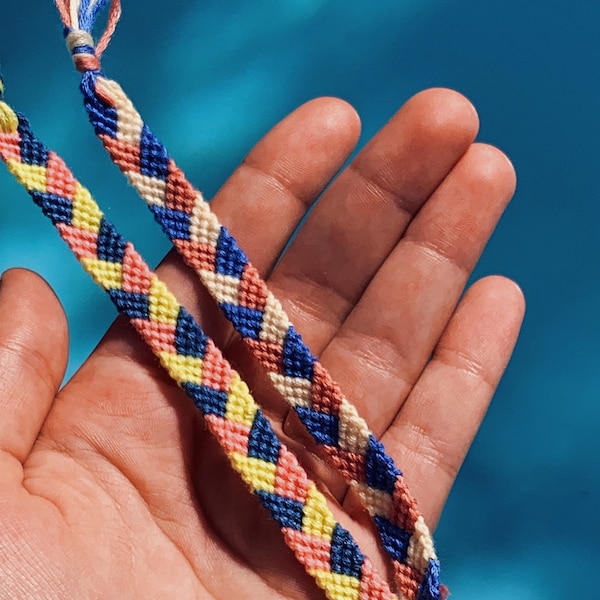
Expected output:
(432, 433)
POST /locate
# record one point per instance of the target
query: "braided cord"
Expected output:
(259, 318)
(271, 471)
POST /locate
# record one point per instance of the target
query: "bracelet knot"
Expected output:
(81, 46)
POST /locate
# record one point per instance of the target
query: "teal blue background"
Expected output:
(211, 77)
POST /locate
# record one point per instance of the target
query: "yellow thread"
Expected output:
(240, 405)
(86, 214)
(257, 473)
(317, 518)
(107, 274)
(33, 177)
(338, 587)
(162, 305)
(9, 121)
(184, 369)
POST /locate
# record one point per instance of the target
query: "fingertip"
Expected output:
(445, 113)
(495, 169)
(507, 289)
(499, 304)
(503, 292)
(322, 130)
(333, 115)
(264, 200)
(426, 138)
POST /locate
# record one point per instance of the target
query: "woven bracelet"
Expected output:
(255, 313)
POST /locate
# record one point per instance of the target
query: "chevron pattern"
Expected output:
(270, 470)
(259, 318)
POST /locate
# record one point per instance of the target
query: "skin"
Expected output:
(111, 486)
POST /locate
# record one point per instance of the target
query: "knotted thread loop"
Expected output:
(79, 18)
(81, 46)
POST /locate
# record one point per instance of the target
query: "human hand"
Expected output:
(112, 487)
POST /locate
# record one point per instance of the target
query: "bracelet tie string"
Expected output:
(270, 470)
(237, 287)
(78, 17)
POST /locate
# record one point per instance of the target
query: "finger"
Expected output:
(33, 357)
(434, 430)
(384, 344)
(364, 213)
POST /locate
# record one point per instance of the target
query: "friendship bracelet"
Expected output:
(271, 471)
(255, 313)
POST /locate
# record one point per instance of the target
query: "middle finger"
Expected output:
(396, 324)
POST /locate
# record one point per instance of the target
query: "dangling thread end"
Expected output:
(113, 19)
(63, 10)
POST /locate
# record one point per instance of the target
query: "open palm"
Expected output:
(111, 487)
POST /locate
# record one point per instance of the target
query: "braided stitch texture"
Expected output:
(259, 318)
(327, 551)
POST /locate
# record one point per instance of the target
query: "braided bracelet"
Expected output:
(271, 471)
(255, 313)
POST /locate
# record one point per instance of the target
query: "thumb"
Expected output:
(33, 358)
